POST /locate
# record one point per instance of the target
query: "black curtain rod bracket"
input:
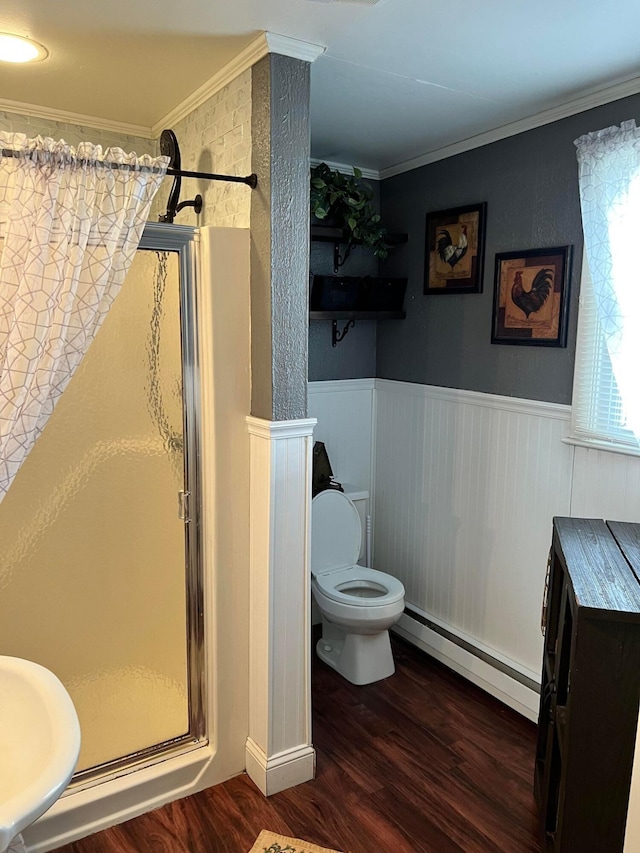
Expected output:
(170, 148)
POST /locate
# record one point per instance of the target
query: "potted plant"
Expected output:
(346, 201)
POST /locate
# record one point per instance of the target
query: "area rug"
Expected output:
(271, 842)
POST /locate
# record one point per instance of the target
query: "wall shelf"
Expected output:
(357, 315)
(351, 317)
(329, 234)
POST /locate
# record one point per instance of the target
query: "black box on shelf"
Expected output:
(382, 294)
(334, 293)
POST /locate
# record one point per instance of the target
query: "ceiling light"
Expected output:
(19, 49)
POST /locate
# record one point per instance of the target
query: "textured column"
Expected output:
(280, 237)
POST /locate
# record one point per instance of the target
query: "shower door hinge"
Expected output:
(183, 506)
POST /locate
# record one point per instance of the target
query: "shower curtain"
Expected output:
(70, 223)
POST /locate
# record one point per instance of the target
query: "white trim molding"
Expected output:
(279, 752)
(66, 117)
(295, 48)
(256, 50)
(281, 771)
(578, 105)
(370, 174)
(341, 386)
(518, 405)
(252, 53)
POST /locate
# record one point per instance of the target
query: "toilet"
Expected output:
(358, 604)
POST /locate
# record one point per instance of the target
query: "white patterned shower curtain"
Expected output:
(70, 223)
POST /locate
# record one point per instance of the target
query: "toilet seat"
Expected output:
(385, 588)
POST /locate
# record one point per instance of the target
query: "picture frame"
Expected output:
(531, 297)
(454, 250)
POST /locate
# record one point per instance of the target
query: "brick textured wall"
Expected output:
(75, 133)
(216, 137)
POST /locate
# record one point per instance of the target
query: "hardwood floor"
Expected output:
(423, 761)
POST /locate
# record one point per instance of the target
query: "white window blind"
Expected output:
(597, 416)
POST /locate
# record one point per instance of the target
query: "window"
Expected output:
(597, 414)
(606, 393)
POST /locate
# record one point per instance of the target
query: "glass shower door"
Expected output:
(97, 559)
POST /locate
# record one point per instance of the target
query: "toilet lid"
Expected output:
(336, 532)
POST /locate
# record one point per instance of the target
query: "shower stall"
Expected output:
(101, 570)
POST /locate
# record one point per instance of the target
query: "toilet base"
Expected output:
(360, 658)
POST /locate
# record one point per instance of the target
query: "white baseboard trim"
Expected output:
(280, 771)
(514, 694)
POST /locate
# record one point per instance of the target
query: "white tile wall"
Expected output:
(216, 137)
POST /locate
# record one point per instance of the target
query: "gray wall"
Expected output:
(279, 237)
(355, 356)
(530, 184)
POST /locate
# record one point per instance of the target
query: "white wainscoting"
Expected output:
(279, 753)
(345, 414)
(605, 485)
(464, 488)
(467, 485)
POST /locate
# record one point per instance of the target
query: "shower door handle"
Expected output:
(183, 506)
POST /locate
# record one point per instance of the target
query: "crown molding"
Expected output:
(256, 50)
(76, 118)
(371, 174)
(578, 105)
(294, 47)
(252, 53)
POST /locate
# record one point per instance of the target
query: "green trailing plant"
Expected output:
(347, 201)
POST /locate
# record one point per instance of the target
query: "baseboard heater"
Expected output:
(472, 649)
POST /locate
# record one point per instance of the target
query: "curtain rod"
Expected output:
(250, 180)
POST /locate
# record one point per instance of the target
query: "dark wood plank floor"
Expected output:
(422, 761)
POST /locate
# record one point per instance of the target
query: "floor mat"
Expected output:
(271, 842)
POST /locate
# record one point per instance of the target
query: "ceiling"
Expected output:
(399, 80)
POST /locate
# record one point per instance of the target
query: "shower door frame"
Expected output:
(162, 237)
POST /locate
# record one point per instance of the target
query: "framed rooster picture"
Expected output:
(455, 250)
(531, 297)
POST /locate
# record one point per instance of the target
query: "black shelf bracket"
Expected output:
(337, 336)
(339, 260)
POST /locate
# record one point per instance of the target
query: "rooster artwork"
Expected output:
(530, 301)
(531, 297)
(455, 250)
(451, 253)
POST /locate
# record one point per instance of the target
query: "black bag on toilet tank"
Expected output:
(322, 477)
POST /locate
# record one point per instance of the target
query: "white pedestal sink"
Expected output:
(39, 744)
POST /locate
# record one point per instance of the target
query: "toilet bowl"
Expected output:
(358, 604)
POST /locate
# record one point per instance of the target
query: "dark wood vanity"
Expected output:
(590, 686)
